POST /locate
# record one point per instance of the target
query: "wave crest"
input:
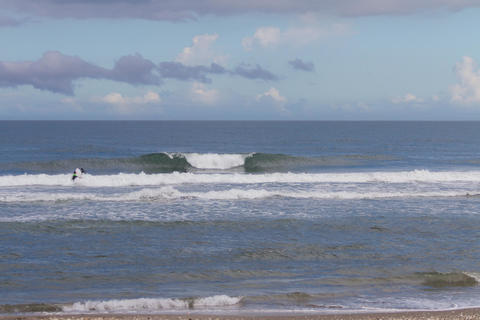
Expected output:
(213, 160)
(151, 304)
(445, 280)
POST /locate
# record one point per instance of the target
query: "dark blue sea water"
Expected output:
(253, 217)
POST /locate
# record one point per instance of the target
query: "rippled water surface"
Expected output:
(239, 216)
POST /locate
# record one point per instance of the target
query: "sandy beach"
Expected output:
(470, 314)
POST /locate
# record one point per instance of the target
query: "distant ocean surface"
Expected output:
(239, 217)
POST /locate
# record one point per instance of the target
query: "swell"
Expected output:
(439, 280)
(149, 163)
(164, 162)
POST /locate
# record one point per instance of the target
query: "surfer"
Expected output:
(77, 173)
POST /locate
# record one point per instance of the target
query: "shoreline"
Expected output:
(461, 314)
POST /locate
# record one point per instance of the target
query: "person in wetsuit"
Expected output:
(77, 173)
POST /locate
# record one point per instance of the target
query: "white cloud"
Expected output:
(467, 91)
(408, 98)
(201, 52)
(126, 104)
(299, 35)
(201, 94)
(273, 95)
(264, 36)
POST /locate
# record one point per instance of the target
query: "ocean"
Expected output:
(242, 217)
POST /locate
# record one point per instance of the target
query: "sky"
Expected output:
(239, 60)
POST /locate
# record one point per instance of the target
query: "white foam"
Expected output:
(170, 193)
(142, 179)
(215, 160)
(217, 301)
(474, 275)
(150, 305)
(35, 179)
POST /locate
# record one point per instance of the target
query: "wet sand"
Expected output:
(470, 314)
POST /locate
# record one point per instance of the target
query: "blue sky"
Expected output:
(262, 59)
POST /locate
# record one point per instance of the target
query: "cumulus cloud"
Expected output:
(302, 65)
(265, 37)
(273, 98)
(408, 98)
(201, 52)
(272, 94)
(126, 104)
(181, 10)
(57, 72)
(467, 91)
(117, 98)
(203, 95)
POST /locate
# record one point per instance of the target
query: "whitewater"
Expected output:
(232, 186)
(142, 179)
(213, 160)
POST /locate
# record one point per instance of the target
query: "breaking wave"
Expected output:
(183, 162)
(176, 178)
(165, 162)
(151, 305)
(170, 193)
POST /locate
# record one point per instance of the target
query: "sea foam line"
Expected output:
(151, 304)
(170, 193)
(142, 179)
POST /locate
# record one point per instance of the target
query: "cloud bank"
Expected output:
(53, 72)
(182, 10)
(57, 72)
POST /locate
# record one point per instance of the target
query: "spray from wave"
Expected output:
(214, 160)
